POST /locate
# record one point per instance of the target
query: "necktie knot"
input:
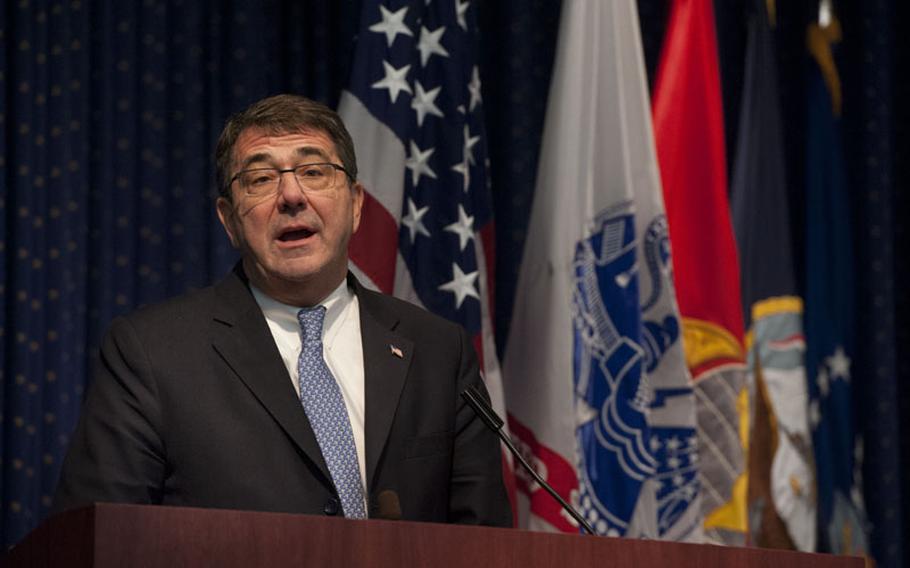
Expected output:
(311, 320)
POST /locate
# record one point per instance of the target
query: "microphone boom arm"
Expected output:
(475, 400)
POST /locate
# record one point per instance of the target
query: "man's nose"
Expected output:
(290, 194)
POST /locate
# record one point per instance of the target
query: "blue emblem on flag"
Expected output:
(673, 443)
(611, 394)
(657, 337)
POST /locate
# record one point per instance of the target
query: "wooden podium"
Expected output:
(106, 535)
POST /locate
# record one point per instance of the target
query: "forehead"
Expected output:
(256, 142)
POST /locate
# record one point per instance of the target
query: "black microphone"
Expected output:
(388, 506)
(475, 400)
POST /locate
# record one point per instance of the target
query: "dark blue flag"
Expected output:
(830, 308)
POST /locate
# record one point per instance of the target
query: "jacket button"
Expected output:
(331, 507)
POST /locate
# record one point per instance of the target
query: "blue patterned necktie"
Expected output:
(324, 407)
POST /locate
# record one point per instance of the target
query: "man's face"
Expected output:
(293, 244)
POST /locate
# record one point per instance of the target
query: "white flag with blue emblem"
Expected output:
(595, 373)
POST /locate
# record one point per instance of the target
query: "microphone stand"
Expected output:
(475, 400)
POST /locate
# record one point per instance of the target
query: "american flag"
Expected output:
(414, 109)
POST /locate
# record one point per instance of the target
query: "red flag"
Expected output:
(689, 133)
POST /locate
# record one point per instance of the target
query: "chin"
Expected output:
(294, 274)
(302, 271)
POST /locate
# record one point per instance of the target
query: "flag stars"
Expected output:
(464, 167)
(474, 89)
(462, 285)
(461, 8)
(815, 415)
(394, 81)
(414, 220)
(469, 143)
(824, 385)
(419, 163)
(430, 44)
(858, 451)
(673, 444)
(655, 444)
(392, 24)
(424, 102)
(464, 228)
(856, 493)
(839, 364)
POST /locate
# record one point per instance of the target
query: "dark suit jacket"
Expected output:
(191, 405)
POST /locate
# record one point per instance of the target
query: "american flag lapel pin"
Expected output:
(396, 351)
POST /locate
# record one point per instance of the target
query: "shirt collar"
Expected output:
(286, 315)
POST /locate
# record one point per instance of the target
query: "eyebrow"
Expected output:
(303, 152)
(260, 157)
(306, 151)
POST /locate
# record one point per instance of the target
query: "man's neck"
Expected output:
(301, 293)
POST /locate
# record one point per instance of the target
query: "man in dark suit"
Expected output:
(228, 397)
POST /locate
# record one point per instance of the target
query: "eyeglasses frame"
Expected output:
(282, 171)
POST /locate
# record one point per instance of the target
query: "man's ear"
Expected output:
(357, 195)
(225, 211)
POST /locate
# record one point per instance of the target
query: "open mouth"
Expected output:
(294, 235)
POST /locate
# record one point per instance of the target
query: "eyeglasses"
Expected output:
(319, 178)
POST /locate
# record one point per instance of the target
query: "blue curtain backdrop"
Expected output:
(109, 111)
(872, 97)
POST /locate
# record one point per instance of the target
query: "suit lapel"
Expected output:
(386, 359)
(241, 336)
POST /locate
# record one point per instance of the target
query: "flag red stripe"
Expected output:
(554, 469)
(477, 341)
(374, 247)
(487, 240)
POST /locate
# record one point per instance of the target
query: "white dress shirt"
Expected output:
(341, 347)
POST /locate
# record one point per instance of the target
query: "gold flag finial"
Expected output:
(772, 12)
(819, 41)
